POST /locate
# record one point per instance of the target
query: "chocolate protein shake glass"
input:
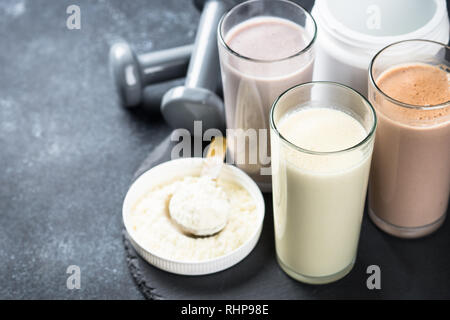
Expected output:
(410, 175)
(265, 47)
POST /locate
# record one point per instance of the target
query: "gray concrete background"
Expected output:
(67, 149)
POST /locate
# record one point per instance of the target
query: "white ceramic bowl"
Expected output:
(175, 169)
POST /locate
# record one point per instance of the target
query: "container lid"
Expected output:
(176, 169)
(380, 21)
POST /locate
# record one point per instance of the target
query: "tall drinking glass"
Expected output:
(322, 136)
(265, 47)
(410, 178)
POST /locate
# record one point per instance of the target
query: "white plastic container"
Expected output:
(351, 32)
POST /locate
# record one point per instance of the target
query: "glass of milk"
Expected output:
(322, 136)
(265, 47)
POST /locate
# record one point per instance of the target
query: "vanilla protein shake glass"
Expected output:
(322, 136)
(409, 86)
(265, 47)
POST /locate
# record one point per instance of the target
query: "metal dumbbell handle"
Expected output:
(204, 64)
(164, 65)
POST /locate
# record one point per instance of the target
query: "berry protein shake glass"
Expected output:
(410, 176)
(265, 47)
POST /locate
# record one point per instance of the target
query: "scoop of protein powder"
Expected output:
(200, 208)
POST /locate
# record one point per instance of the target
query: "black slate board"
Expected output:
(410, 269)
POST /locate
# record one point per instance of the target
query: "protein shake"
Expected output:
(321, 152)
(261, 56)
(410, 178)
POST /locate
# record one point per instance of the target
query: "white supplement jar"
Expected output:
(351, 32)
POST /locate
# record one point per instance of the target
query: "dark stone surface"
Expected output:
(68, 152)
(410, 269)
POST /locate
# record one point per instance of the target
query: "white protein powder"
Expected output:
(201, 207)
(153, 228)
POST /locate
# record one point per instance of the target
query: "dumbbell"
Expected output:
(196, 100)
(132, 73)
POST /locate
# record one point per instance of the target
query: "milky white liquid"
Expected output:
(318, 199)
